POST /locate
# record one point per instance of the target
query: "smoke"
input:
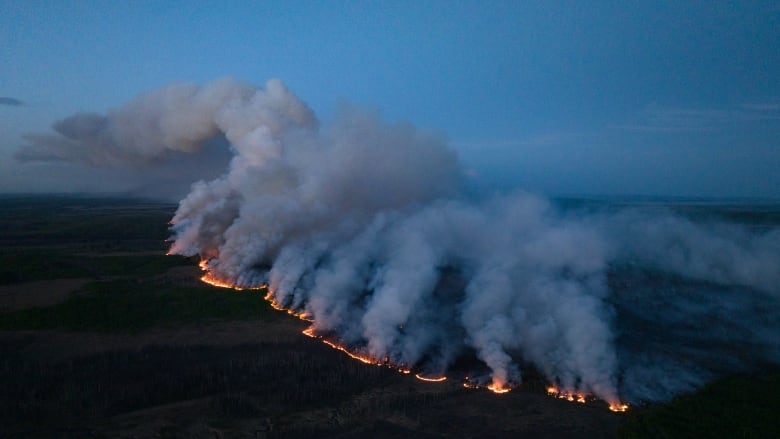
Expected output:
(362, 226)
(155, 145)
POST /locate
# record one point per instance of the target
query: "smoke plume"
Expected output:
(361, 225)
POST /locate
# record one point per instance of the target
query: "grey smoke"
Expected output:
(177, 118)
(362, 225)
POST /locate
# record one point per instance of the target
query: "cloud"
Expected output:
(677, 120)
(11, 102)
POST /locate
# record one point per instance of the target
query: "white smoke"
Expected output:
(360, 224)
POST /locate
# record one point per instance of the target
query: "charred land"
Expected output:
(103, 335)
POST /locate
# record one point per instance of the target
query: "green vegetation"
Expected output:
(83, 224)
(737, 407)
(244, 381)
(26, 265)
(130, 306)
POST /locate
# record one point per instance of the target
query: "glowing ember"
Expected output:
(207, 278)
(210, 279)
(431, 380)
(568, 396)
(363, 358)
(498, 388)
(618, 407)
(468, 384)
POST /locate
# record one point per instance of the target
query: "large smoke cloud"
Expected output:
(360, 225)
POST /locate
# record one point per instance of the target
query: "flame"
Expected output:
(212, 280)
(431, 380)
(571, 396)
(495, 387)
(618, 407)
(498, 388)
(302, 315)
(583, 398)
(362, 358)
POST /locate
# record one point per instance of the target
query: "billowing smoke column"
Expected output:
(360, 226)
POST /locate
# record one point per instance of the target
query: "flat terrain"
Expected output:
(102, 335)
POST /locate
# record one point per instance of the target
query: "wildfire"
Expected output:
(212, 280)
(431, 380)
(495, 387)
(568, 396)
(362, 358)
(302, 315)
(498, 388)
(618, 407)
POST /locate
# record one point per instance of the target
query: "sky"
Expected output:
(560, 98)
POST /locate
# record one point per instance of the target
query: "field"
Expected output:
(102, 335)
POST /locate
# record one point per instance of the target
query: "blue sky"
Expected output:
(650, 98)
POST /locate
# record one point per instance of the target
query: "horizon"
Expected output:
(553, 99)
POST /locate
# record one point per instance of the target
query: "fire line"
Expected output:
(431, 380)
(497, 388)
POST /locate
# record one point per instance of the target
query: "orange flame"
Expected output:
(362, 358)
(431, 380)
(495, 387)
(618, 407)
(498, 388)
(212, 280)
(571, 396)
